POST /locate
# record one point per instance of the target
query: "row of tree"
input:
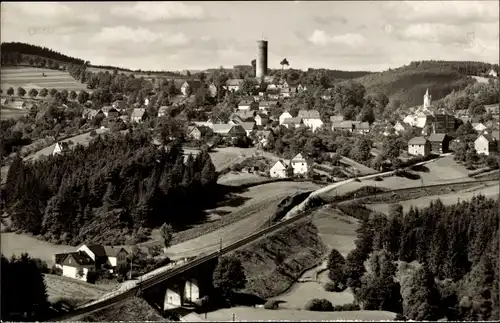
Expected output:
(34, 50)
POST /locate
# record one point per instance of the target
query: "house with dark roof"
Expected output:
(293, 122)
(197, 132)
(249, 127)
(75, 264)
(233, 85)
(439, 142)
(190, 86)
(261, 119)
(419, 146)
(229, 130)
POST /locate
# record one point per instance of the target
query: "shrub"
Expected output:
(57, 271)
(93, 133)
(329, 287)
(91, 277)
(319, 305)
(350, 307)
(271, 305)
(338, 308)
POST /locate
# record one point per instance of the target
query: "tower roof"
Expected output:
(427, 91)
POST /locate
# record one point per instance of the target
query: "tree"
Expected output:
(21, 92)
(83, 97)
(10, 91)
(33, 93)
(208, 174)
(73, 95)
(283, 63)
(52, 92)
(229, 275)
(166, 232)
(64, 95)
(43, 92)
(335, 265)
(421, 296)
(247, 86)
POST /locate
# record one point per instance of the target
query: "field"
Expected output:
(16, 244)
(60, 287)
(31, 78)
(7, 113)
(490, 191)
(245, 213)
(132, 309)
(237, 179)
(260, 314)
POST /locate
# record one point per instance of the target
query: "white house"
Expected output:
(261, 119)
(105, 255)
(233, 85)
(285, 115)
(280, 170)
(486, 144)
(313, 123)
(190, 85)
(60, 147)
(419, 146)
(75, 264)
(299, 164)
(138, 115)
(493, 73)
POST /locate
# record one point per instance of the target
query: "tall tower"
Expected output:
(261, 69)
(427, 99)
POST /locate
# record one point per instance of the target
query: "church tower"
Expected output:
(427, 99)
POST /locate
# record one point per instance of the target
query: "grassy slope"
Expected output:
(408, 84)
(133, 309)
(300, 248)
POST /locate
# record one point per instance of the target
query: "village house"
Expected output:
(281, 170)
(479, 127)
(86, 258)
(301, 88)
(90, 114)
(264, 106)
(261, 119)
(313, 123)
(110, 112)
(300, 164)
(285, 92)
(162, 111)
(439, 142)
(190, 86)
(308, 114)
(233, 85)
(138, 115)
(493, 109)
(273, 94)
(245, 105)
(419, 146)
(235, 119)
(351, 126)
(208, 124)
(493, 73)
(244, 115)
(285, 115)
(336, 119)
(197, 132)
(229, 130)
(361, 128)
(486, 144)
(249, 127)
(293, 123)
(60, 148)
(212, 90)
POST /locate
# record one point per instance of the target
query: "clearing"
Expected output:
(337, 232)
(489, 191)
(31, 78)
(260, 314)
(60, 287)
(15, 244)
(240, 178)
(253, 210)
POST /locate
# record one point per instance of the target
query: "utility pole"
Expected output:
(234, 317)
(220, 249)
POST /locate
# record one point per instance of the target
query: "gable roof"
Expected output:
(281, 164)
(234, 82)
(63, 145)
(243, 114)
(437, 137)
(417, 141)
(163, 108)
(309, 114)
(222, 127)
(298, 158)
(138, 113)
(295, 120)
(245, 102)
(81, 258)
(248, 125)
(194, 84)
(336, 118)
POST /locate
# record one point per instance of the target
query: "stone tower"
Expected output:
(261, 68)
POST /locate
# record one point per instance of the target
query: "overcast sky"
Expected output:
(343, 35)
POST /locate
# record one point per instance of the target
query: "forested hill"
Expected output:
(44, 52)
(408, 83)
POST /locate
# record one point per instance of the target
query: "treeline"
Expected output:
(463, 67)
(44, 52)
(456, 248)
(115, 187)
(473, 98)
(338, 74)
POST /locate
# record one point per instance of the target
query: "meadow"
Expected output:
(32, 78)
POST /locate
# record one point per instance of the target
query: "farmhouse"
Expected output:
(60, 148)
(479, 127)
(190, 86)
(229, 130)
(138, 115)
(486, 144)
(439, 142)
(300, 164)
(197, 132)
(419, 146)
(281, 170)
(285, 115)
(233, 85)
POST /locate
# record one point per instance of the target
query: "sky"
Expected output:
(343, 35)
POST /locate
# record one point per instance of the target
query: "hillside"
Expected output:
(408, 83)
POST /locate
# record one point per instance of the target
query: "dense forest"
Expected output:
(117, 186)
(455, 249)
(28, 49)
